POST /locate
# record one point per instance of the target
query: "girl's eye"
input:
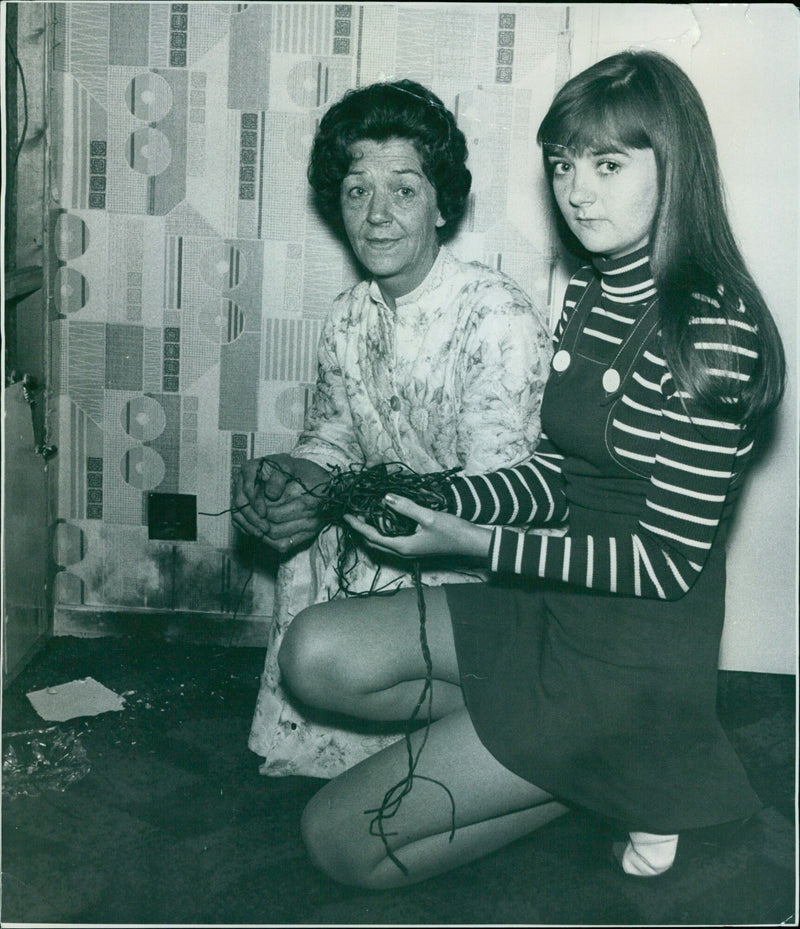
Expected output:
(609, 167)
(560, 168)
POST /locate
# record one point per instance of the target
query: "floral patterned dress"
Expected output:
(452, 377)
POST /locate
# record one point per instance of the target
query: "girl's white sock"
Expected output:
(648, 854)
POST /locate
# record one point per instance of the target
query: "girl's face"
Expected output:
(608, 198)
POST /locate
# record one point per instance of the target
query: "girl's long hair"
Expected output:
(642, 99)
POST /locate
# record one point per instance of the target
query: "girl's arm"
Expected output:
(696, 464)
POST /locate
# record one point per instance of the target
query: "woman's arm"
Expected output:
(504, 351)
(329, 436)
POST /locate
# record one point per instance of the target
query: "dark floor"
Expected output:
(157, 814)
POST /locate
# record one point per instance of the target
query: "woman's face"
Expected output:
(390, 214)
(608, 198)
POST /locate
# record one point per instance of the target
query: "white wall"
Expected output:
(743, 59)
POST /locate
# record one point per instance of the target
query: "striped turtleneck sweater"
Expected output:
(689, 462)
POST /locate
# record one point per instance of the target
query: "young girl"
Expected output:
(585, 673)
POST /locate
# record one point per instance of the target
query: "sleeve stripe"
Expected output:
(637, 576)
(495, 499)
(589, 560)
(648, 459)
(527, 488)
(515, 508)
(733, 375)
(721, 321)
(548, 461)
(641, 407)
(518, 553)
(711, 498)
(654, 359)
(676, 574)
(612, 564)
(565, 565)
(650, 385)
(459, 509)
(543, 556)
(494, 551)
(474, 493)
(704, 298)
(686, 517)
(642, 554)
(706, 472)
(678, 538)
(715, 423)
(723, 347)
(550, 500)
(700, 446)
(624, 427)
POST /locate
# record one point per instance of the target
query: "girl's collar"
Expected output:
(627, 280)
(637, 262)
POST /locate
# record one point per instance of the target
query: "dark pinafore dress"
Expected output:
(608, 702)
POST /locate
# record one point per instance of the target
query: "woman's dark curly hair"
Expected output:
(400, 109)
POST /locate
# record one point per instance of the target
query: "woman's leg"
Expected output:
(492, 807)
(364, 656)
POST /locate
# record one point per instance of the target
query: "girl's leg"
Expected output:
(492, 807)
(363, 656)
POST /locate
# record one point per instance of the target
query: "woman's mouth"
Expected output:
(381, 243)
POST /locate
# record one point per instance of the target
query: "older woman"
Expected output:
(430, 361)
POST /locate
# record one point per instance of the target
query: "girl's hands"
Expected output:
(436, 533)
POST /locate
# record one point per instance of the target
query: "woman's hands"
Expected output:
(436, 533)
(268, 504)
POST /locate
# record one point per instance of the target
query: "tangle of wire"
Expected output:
(236, 509)
(361, 490)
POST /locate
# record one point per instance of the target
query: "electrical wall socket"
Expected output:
(172, 517)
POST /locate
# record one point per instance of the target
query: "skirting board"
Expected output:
(205, 628)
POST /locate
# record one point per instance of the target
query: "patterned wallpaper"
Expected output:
(189, 274)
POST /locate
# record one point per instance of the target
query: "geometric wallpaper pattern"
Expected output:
(189, 273)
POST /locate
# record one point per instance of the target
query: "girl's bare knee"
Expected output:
(303, 656)
(331, 845)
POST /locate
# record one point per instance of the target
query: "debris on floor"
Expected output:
(86, 697)
(37, 760)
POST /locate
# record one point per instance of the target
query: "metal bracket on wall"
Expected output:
(19, 284)
(32, 391)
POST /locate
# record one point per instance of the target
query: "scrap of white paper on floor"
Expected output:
(86, 697)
